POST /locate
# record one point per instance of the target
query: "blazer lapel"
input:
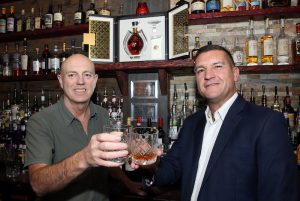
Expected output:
(227, 130)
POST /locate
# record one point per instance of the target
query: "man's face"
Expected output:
(215, 76)
(78, 80)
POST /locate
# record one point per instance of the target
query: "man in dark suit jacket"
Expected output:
(234, 150)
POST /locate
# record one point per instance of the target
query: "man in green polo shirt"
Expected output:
(68, 155)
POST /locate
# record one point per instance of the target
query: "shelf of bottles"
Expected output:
(240, 16)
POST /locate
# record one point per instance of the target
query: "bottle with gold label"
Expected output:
(227, 5)
(251, 48)
(104, 10)
(267, 45)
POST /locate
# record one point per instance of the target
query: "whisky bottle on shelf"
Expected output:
(11, 25)
(296, 45)
(3, 21)
(276, 105)
(55, 61)
(90, 11)
(251, 47)
(227, 5)
(21, 22)
(5, 55)
(43, 101)
(196, 47)
(267, 45)
(49, 17)
(237, 53)
(24, 58)
(46, 60)
(36, 63)
(63, 55)
(39, 22)
(282, 46)
(79, 15)
(58, 18)
(252, 97)
(30, 21)
(16, 59)
(104, 102)
(197, 6)
(35, 107)
(289, 108)
(264, 97)
(104, 10)
(212, 6)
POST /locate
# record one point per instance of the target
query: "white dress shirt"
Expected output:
(210, 135)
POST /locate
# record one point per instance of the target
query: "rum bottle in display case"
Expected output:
(134, 42)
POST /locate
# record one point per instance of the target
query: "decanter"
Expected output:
(134, 42)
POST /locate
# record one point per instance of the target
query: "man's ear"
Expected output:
(60, 81)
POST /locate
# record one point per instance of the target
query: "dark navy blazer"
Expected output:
(252, 159)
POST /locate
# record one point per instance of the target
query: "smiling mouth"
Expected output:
(80, 90)
(210, 84)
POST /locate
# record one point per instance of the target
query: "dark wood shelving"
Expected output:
(8, 1)
(240, 16)
(28, 78)
(45, 33)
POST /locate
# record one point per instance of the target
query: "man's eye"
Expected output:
(71, 75)
(218, 66)
(88, 75)
(199, 70)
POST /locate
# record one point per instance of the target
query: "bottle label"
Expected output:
(104, 12)
(54, 64)
(291, 119)
(10, 24)
(58, 17)
(252, 48)
(36, 66)
(283, 46)
(37, 23)
(173, 133)
(28, 24)
(2, 26)
(238, 57)
(268, 47)
(227, 4)
(48, 20)
(212, 5)
(19, 26)
(298, 47)
(198, 5)
(24, 62)
(88, 13)
(77, 16)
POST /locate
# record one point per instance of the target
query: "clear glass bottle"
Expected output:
(282, 46)
(237, 53)
(30, 21)
(36, 63)
(16, 61)
(251, 47)
(104, 10)
(267, 44)
(264, 97)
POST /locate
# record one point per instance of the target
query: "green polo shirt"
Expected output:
(55, 134)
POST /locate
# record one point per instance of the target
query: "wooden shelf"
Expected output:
(241, 16)
(8, 1)
(44, 33)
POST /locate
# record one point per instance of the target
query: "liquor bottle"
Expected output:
(227, 5)
(7, 71)
(58, 18)
(264, 97)
(5, 55)
(251, 47)
(79, 15)
(181, 2)
(46, 60)
(90, 11)
(73, 48)
(36, 63)
(213, 6)
(289, 108)
(30, 21)
(39, 22)
(296, 45)
(35, 107)
(3, 21)
(15, 104)
(11, 25)
(43, 101)
(196, 47)
(104, 102)
(163, 135)
(24, 58)
(267, 45)
(237, 53)
(49, 17)
(252, 97)
(142, 8)
(241, 91)
(104, 10)
(135, 43)
(16, 60)
(197, 6)
(21, 22)
(49, 98)
(55, 61)
(276, 106)
(282, 46)
(63, 55)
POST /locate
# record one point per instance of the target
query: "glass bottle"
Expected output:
(5, 55)
(135, 43)
(49, 17)
(39, 22)
(241, 91)
(296, 45)
(24, 58)
(3, 21)
(267, 45)
(90, 11)
(21, 22)
(289, 108)
(55, 61)
(35, 107)
(252, 97)
(104, 102)
(16, 59)
(282, 46)
(43, 101)
(163, 135)
(227, 5)
(104, 10)
(7, 71)
(181, 2)
(213, 6)
(79, 15)
(276, 106)
(63, 55)
(264, 97)
(73, 47)
(142, 8)
(251, 47)
(46, 60)
(237, 53)
(36, 63)
(58, 18)
(196, 47)
(30, 21)
(11, 20)
(197, 6)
